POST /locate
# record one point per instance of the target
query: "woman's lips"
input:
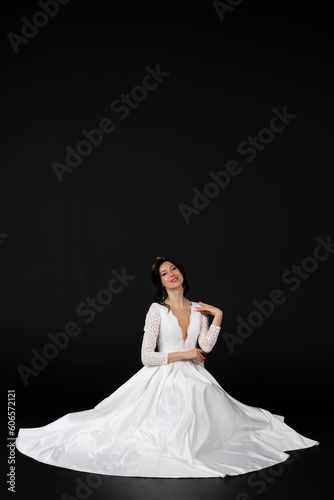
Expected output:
(173, 280)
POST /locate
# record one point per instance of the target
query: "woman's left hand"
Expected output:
(209, 309)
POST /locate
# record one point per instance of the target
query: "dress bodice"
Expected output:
(162, 330)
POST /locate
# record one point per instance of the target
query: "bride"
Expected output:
(171, 418)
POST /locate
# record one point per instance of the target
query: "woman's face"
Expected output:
(171, 276)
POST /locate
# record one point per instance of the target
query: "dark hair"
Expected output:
(156, 279)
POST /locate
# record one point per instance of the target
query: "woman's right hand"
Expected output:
(195, 354)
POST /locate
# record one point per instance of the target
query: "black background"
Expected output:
(120, 207)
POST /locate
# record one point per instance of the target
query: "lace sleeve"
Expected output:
(207, 336)
(151, 332)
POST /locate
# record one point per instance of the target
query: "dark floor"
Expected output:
(307, 475)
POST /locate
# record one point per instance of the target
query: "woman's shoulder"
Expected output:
(158, 306)
(155, 306)
(156, 310)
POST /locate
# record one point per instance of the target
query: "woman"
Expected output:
(172, 418)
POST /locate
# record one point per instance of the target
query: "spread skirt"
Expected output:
(173, 420)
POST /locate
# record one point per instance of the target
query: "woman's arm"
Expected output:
(151, 331)
(184, 355)
(218, 318)
(175, 356)
(208, 335)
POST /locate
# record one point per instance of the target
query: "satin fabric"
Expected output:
(173, 420)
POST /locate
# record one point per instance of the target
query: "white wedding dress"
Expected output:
(168, 419)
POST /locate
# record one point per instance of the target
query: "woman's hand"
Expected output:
(195, 354)
(214, 311)
(209, 309)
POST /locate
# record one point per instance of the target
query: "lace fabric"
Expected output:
(161, 328)
(151, 332)
(208, 335)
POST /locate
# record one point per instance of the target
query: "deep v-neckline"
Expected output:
(189, 321)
